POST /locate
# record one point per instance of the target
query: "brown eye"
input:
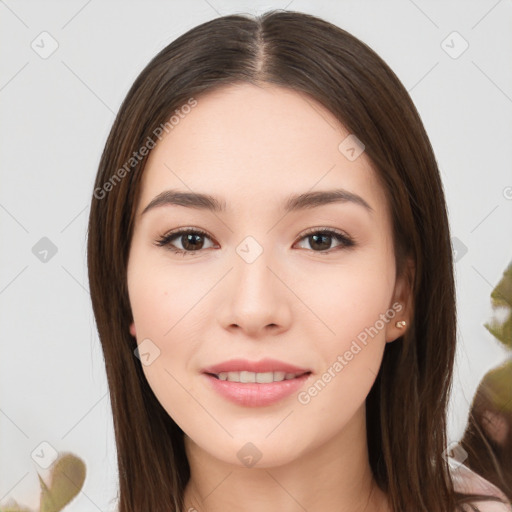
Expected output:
(191, 240)
(320, 240)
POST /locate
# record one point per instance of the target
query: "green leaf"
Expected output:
(501, 299)
(66, 480)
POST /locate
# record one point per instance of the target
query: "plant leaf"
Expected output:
(66, 480)
(13, 506)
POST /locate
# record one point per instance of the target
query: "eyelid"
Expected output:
(323, 229)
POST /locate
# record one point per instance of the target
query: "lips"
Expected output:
(253, 394)
(262, 366)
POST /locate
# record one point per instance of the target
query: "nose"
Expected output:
(255, 298)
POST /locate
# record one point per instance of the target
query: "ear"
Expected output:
(132, 329)
(401, 303)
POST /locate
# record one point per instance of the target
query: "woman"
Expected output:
(271, 275)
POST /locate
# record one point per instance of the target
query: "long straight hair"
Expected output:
(406, 407)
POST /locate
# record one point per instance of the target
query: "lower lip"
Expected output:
(252, 394)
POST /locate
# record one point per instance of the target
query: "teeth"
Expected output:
(261, 378)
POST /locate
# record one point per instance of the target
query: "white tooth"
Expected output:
(248, 376)
(279, 376)
(264, 378)
(234, 376)
(261, 378)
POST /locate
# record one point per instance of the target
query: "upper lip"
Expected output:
(262, 366)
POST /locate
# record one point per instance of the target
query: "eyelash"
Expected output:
(346, 241)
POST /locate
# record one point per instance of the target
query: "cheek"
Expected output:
(355, 309)
(351, 299)
(161, 303)
(161, 297)
(350, 349)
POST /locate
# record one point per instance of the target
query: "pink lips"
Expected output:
(252, 394)
(265, 365)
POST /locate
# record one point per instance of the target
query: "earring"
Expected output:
(401, 324)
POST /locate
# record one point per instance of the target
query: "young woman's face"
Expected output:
(264, 281)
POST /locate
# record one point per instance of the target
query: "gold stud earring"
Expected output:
(401, 324)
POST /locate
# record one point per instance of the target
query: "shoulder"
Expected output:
(468, 482)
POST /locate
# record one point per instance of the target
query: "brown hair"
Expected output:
(406, 407)
(488, 456)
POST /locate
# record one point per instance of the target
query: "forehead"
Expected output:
(263, 142)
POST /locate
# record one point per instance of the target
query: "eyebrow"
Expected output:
(293, 203)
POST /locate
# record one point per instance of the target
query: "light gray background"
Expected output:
(56, 114)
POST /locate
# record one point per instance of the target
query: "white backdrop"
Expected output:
(66, 67)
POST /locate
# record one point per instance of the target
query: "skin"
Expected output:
(254, 146)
